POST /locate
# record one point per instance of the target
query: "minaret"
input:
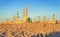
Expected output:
(53, 18)
(27, 10)
(17, 15)
(44, 20)
(23, 13)
(38, 18)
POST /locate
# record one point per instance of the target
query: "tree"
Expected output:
(29, 20)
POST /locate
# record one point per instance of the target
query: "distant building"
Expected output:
(53, 18)
(57, 21)
(44, 19)
(16, 17)
(25, 16)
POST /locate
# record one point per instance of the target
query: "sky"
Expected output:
(41, 8)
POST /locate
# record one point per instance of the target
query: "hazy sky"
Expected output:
(41, 8)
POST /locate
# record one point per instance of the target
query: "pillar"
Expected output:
(27, 10)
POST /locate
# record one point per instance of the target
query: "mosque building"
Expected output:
(16, 17)
(25, 16)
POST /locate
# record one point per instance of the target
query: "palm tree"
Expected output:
(29, 20)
